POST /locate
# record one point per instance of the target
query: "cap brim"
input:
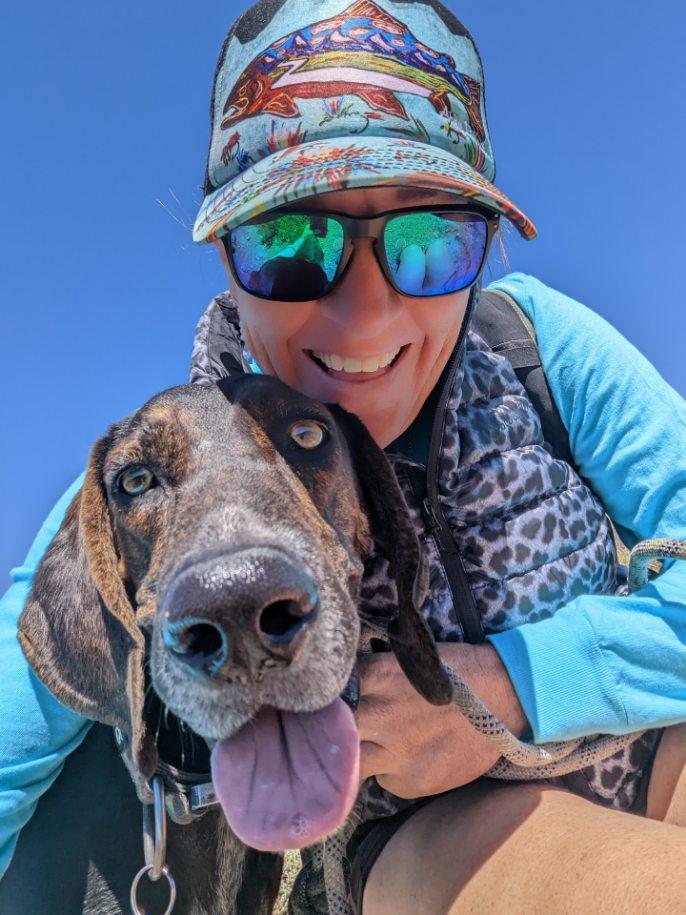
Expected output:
(350, 162)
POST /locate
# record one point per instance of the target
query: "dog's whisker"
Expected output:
(163, 709)
(180, 726)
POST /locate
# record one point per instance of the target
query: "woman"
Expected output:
(359, 291)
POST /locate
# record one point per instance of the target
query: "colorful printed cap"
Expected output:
(312, 96)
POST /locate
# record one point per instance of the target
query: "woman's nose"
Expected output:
(363, 300)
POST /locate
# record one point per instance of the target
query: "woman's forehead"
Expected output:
(366, 201)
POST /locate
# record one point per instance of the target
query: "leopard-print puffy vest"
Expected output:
(531, 534)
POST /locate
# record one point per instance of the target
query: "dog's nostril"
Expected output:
(203, 638)
(282, 619)
(197, 644)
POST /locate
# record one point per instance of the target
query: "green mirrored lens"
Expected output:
(292, 257)
(435, 253)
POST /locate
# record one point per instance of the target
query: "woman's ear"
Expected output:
(78, 630)
(396, 539)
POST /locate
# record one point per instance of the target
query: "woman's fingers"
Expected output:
(438, 266)
(373, 759)
(371, 715)
(425, 271)
(411, 270)
(377, 674)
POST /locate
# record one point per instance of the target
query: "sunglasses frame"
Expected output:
(361, 227)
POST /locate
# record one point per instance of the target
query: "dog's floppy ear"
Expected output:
(78, 630)
(396, 539)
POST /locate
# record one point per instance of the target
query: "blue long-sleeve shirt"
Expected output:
(601, 664)
(607, 664)
(37, 732)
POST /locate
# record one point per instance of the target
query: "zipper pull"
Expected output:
(430, 517)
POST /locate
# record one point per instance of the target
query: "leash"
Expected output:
(648, 551)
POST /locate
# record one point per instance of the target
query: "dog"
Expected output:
(212, 562)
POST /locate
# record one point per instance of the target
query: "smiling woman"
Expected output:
(349, 194)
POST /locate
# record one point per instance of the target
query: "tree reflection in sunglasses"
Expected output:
(297, 269)
(294, 272)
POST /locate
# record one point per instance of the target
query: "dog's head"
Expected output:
(222, 529)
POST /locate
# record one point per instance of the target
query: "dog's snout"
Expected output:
(237, 612)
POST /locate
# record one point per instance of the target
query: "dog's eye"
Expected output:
(307, 433)
(136, 480)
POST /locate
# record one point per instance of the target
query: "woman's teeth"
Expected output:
(350, 364)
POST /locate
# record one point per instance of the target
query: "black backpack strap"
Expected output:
(502, 324)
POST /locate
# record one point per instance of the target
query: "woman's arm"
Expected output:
(37, 732)
(602, 663)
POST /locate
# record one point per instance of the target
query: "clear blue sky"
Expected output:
(105, 130)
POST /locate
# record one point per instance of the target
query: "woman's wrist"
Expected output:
(486, 675)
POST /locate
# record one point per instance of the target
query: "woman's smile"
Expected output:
(356, 369)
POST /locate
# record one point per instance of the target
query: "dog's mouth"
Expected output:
(288, 779)
(284, 779)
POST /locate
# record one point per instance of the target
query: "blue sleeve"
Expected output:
(606, 664)
(37, 732)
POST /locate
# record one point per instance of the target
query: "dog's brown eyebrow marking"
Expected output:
(125, 451)
(160, 434)
(164, 435)
(262, 440)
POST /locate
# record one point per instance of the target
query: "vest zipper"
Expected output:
(463, 599)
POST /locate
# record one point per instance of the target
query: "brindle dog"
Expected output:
(179, 500)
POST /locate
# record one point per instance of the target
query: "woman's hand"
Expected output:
(417, 749)
(421, 269)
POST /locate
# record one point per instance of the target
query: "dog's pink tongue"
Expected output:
(288, 779)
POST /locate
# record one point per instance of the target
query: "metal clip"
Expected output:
(154, 847)
(155, 830)
(203, 796)
(134, 890)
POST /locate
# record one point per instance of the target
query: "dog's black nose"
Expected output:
(246, 610)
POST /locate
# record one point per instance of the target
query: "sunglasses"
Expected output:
(298, 256)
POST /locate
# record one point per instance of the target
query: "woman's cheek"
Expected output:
(270, 330)
(259, 351)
